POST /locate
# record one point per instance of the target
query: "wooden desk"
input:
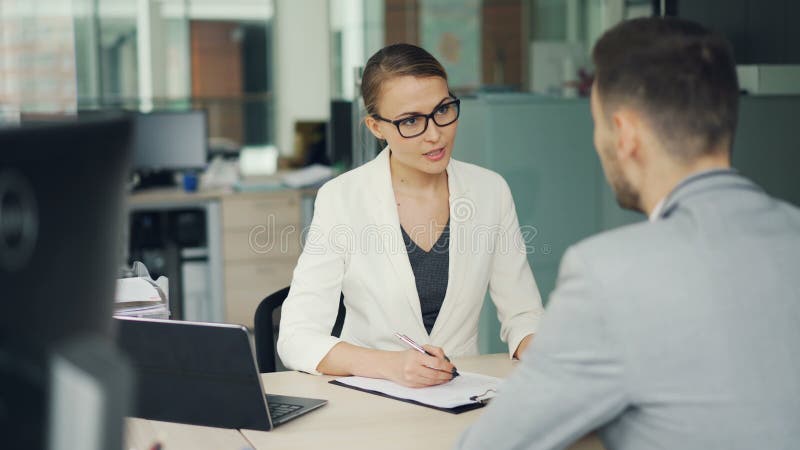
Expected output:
(141, 434)
(357, 420)
(352, 420)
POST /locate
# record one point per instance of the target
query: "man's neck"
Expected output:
(663, 182)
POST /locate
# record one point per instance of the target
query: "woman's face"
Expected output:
(405, 96)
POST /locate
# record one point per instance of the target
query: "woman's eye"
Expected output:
(409, 122)
(443, 110)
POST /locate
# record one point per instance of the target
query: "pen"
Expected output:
(410, 342)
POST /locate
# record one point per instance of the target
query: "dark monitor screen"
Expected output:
(340, 133)
(61, 200)
(170, 140)
(61, 207)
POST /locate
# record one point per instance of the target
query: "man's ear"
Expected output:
(372, 126)
(627, 134)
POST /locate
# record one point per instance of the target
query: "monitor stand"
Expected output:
(154, 179)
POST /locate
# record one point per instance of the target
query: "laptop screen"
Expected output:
(197, 373)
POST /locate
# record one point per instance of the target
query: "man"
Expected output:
(682, 332)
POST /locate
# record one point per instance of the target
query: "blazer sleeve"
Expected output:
(572, 379)
(511, 284)
(308, 314)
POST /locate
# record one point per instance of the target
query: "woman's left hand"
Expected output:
(523, 344)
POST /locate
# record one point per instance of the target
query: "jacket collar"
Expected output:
(381, 178)
(385, 216)
(703, 182)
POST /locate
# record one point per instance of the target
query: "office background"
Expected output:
(260, 67)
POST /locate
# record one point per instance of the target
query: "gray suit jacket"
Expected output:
(678, 334)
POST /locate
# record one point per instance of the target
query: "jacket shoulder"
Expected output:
(627, 245)
(490, 182)
(474, 171)
(353, 179)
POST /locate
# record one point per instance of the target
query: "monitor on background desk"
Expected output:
(61, 204)
(166, 142)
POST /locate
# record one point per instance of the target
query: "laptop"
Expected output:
(202, 374)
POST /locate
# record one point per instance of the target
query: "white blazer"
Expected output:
(355, 247)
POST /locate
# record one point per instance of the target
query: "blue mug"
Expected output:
(190, 182)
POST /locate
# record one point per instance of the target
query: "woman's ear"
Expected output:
(372, 126)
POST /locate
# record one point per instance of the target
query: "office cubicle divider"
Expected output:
(543, 147)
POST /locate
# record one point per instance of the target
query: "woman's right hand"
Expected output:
(414, 369)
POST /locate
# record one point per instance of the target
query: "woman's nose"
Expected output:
(432, 133)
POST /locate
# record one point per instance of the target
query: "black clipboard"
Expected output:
(456, 410)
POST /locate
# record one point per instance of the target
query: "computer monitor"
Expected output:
(170, 140)
(61, 207)
(340, 133)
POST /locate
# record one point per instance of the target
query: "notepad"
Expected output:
(463, 393)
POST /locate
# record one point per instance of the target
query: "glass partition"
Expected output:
(537, 46)
(157, 55)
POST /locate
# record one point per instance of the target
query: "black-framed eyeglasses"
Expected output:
(412, 126)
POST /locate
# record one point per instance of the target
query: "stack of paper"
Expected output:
(140, 297)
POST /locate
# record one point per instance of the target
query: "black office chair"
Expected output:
(264, 328)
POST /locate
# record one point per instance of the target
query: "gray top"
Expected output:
(681, 333)
(430, 273)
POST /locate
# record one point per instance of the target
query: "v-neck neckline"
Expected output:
(409, 239)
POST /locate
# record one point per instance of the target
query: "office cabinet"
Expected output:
(177, 235)
(260, 246)
(252, 242)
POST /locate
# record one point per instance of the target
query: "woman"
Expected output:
(411, 239)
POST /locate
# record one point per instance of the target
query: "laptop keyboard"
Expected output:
(278, 410)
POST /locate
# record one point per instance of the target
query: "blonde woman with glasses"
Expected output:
(412, 240)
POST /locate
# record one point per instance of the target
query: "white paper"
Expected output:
(135, 290)
(456, 392)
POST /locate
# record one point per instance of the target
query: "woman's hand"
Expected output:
(409, 368)
(523, 344)
(414, 369)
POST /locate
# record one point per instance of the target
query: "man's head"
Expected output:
(665, 102)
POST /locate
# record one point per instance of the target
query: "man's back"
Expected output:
(705, 306)
(683, 333)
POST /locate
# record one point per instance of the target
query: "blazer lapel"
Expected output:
(462, 212)
(387, 222)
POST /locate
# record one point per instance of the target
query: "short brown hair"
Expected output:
(679, 73)
(393, 61)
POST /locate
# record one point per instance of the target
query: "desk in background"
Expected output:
(352, 420)
(251, 246)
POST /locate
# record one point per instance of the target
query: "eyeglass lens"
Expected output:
(416, 125)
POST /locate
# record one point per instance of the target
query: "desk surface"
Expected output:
(358, 420)
(142, 434)
(351, 420)
(176, 195)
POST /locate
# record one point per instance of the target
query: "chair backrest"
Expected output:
(264, 328)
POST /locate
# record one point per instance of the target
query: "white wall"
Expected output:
(301, 66)
(360, 23)
(347, 17)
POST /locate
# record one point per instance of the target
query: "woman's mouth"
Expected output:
(434, 155)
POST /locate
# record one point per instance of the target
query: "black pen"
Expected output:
(410, 342)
